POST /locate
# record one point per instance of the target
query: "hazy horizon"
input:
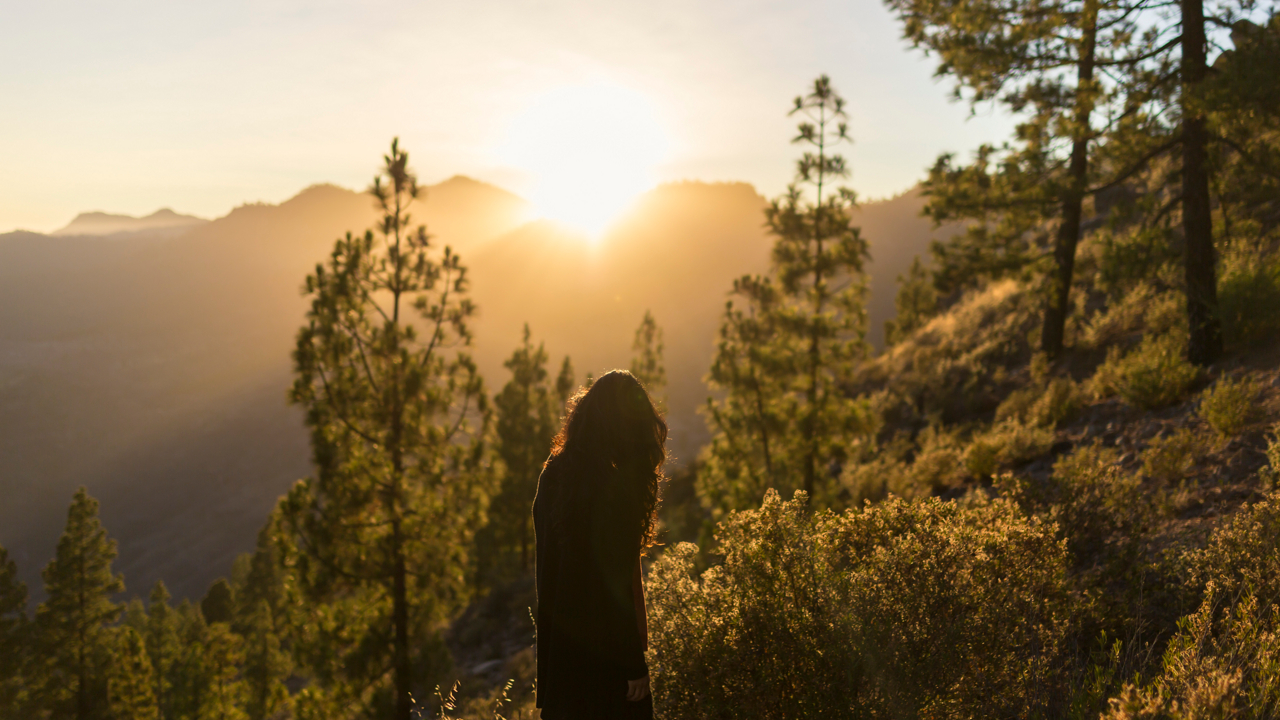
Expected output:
(202, 109)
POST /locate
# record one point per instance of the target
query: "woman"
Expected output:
(593, 516)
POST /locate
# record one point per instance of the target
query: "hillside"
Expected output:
(152, 368)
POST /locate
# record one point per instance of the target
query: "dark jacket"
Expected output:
(587, 523)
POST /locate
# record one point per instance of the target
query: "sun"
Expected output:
(589, 150)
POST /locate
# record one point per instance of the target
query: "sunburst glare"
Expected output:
(589, 149)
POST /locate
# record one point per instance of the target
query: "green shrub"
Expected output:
(1224, 662)
(1229, 406)
(1154, 375)
(1270, 475)
(899, 609)
(1100, 511)
(1047, 405)
(1006, 444)
(1172, 457)
(1242, 555)
(1249, 299)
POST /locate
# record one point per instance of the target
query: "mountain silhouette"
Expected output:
(153, 368)
(163, 221)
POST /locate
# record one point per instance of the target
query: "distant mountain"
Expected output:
(153, 369)
(100, 223)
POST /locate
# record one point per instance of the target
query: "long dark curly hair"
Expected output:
(614, 424)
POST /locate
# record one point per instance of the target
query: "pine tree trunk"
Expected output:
(1205, 342)
(1064, 250)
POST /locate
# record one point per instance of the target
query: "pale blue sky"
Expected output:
(132, 105)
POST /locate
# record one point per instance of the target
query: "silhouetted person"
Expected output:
(593, 516)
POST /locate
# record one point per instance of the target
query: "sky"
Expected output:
(133, 105)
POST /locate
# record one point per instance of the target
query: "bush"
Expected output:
(900, 609)
(1229, 405)
(1100, 511)
(1152, 376)
(1006, 444)
(1172, 457)
(1249, 299)
(1243, 555)
(1220, 664)
(1045, 405)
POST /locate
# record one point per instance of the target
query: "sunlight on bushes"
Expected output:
(1171, 458)
(901, 609)
(1229, 405)
(1249, 298)
(1153, 375)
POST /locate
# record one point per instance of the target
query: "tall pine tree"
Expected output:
(397, 413)
(162, 648)
(72, 623)
(15, 637)
(790, 340)
(525, 420)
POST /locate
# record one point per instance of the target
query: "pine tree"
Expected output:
(266, 666)
(1038, 58)
(525, 420)
(72, 623)
(162, 647)
(130, 678)
(646, 363)
(219, 603)
(397, 413)
(784, 420)
(564, 385)
(188, 675)
(15, 637)
(917, 301)
(224, 697)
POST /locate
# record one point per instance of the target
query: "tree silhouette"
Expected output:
(14, 636)
(646, 363)
(783, 420)
(525, 422)
(397, 413)
(72, 623)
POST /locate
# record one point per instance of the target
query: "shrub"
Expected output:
(1006, 444)
(1172, 457)
(1270, 475)
(1249, 299)
(1152, 376)
(1242, 555)
(900, 609)
(1048, 405)
(1229, 405)
(1222, 663)
(1100, 511)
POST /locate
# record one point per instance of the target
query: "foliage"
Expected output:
(397, 413)
(1249, 299)
(901, 609)
(526, 411)
(1153, 375)
(1241, 556)
(1172, 457)
(1230, 405)
(1099, 511)
(1224, 662)
(781, 417)
(1005, 444)
(130, 685)
(647, 363)
(219, 604)
(959, 364)
(916, 302)
(73, 637)
(14, 635)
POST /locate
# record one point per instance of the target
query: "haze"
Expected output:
(128, 107)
